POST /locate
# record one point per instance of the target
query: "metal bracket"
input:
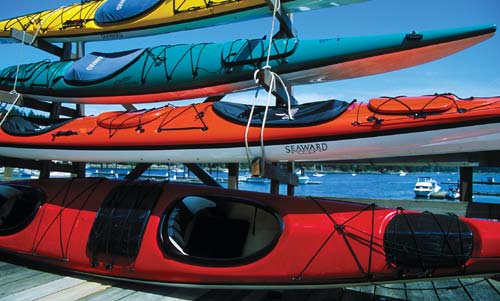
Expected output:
(283, 17)
(205, 177)
(279, 91)
(266, 169)
(10, 98)
(129, 107)
(23, 37)
(214, 98)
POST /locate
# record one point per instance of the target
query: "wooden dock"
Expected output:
(22, 283)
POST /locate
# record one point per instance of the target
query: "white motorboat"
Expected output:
(426, 187)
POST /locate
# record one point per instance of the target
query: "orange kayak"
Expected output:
(216, 132)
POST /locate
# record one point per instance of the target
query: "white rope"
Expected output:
(272, 86)
(277, 6)
(247, 128)
(264, 119)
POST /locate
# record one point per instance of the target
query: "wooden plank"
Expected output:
(495, 284)
(22, 283)
(391, 291)
(421, 290)
(358, 293)
(290, 167)
(143, 296)
(7, 268)
(19, 274)
(111, 294)
(232, 177)
(76, 292)
(479, 289)
(450, 289)
(466, 187)
(27, 283)
(44, 289)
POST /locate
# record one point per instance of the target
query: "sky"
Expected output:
(472, 72)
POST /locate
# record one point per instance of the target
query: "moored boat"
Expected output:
(425, 187)
(193, 235)
(217, 132)
(304, 179)
(318, 175)
(98, 20)
(453, 191)
(176, 72)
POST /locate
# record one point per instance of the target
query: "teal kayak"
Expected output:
(175, 72)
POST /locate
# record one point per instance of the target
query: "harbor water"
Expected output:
(349, 185)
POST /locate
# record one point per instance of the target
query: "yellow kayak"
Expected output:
(97, 20)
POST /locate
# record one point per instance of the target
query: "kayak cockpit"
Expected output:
(18, 206)
(31, 126)
(113, 11)
(219, 230)
(303, 115)
(96, 67)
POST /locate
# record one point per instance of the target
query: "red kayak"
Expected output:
(215, 132)
(192, 235)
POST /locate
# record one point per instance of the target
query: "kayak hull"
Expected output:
(302, 242)
(183, 135)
